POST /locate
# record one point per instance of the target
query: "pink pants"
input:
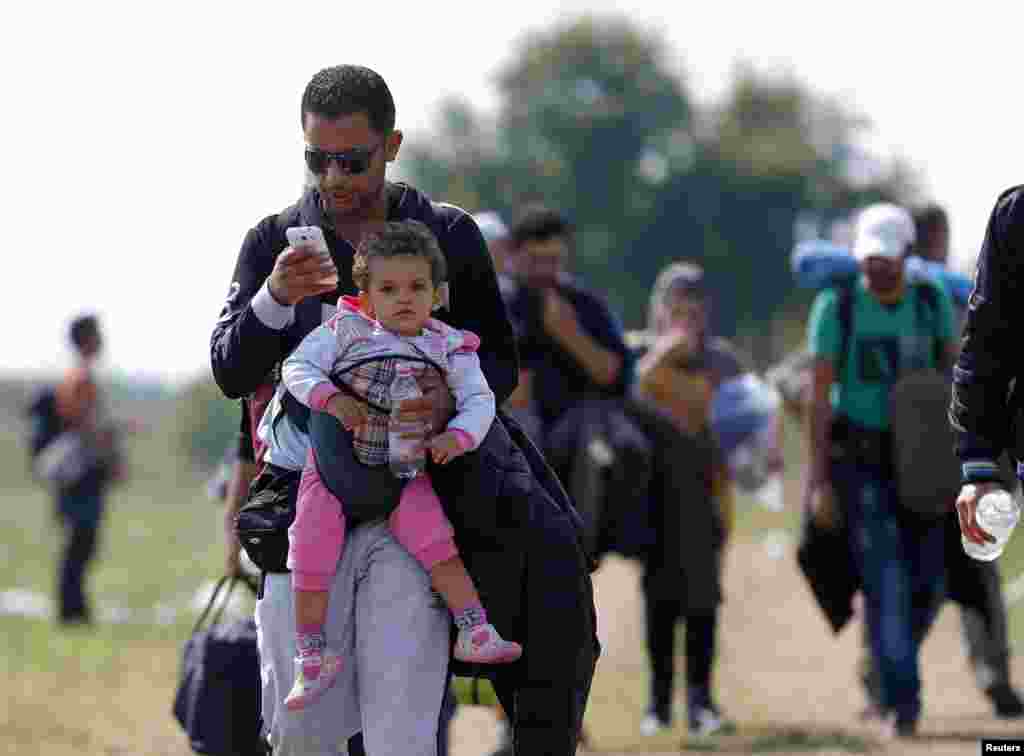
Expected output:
(317, 536)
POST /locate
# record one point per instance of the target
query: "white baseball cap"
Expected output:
(491, 225)
(883, 230)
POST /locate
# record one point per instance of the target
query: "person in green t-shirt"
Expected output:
(974, 585)
(886, 341)
(900, 561)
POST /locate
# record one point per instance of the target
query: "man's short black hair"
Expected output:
(927, 220)
(539, 223)
(82, 328)
(346, 90)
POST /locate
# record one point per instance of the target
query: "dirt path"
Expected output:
(782, 675)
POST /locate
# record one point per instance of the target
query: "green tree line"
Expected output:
(594, 119)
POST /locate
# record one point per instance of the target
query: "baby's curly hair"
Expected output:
(396, 238)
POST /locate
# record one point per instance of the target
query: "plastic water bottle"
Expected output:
(997, 514)
(406, 456)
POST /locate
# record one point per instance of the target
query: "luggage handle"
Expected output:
(231, 581)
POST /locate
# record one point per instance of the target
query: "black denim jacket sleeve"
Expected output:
(981, 409)
(243, 350)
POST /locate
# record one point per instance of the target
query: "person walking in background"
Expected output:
(899, 557)
(80, 503)
(571, 346)
(931, 223)
(975, 585)
(983, 413)
(931, 226)
(680, 367)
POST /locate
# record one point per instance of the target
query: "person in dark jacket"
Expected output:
(523, 551)
(985, 400)
(985, 407)
(571, 345)
(572, 348)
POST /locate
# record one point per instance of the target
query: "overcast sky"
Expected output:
(141, 141)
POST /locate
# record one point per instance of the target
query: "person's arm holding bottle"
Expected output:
(988, 361)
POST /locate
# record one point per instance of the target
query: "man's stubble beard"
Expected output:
(887, 291)
(362, 211)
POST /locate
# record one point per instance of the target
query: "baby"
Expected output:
(398, 270)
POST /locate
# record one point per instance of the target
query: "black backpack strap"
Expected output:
(927, 304)
(844, 310)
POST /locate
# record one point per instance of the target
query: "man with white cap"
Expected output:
(863, 338)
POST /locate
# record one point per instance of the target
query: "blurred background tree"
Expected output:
(596, 119)
(205, 423)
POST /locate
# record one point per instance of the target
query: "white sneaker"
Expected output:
(885, 727)
(705, 721)
(650, 725)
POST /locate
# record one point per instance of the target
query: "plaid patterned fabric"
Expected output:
(372, 380)
(361, 338)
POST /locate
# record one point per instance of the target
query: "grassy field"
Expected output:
(108, 690)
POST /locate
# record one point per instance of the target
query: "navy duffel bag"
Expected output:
(217, 701)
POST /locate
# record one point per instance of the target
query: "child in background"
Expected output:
(398, 271)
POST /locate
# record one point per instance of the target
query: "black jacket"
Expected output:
(983, 406)
(244, 352)
(559, 379)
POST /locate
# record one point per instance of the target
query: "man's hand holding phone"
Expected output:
(304, 269)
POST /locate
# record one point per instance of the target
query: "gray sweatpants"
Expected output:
(394, 637)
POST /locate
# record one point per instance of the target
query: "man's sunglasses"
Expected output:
(350, 162)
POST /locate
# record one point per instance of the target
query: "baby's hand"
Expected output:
(351, 412)
(445, 447)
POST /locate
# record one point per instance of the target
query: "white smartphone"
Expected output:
(307, 236)
(312, 237)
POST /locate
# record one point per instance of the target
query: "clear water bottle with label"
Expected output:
(406, 456)
(997, 514)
